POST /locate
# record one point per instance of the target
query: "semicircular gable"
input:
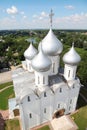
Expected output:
(26, 92)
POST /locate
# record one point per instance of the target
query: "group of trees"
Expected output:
(14, 45)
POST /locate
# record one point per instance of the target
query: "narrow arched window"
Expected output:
(44, 110)
(43, 80)
(70, 101)
(38, 80)
(73, 73)
(58, 105)
(30, 115)
(69, 108)
(69, 73)
(73, 86)
(60, 90)
(45, 95)
(53, 67)
(28, 98)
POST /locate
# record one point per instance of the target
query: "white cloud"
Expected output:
(75, 21)
(70, 7)
(24, 16)
(12, 10)
(13, 17)
(41, 16)
(8, 23)
(35, 16)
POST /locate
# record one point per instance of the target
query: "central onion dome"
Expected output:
(41, 62)
(30, 52)
(71, 57)
(51, 45)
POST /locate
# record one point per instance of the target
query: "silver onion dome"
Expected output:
(41, 62)
(51, 45)
(30, 52)
(71, 57)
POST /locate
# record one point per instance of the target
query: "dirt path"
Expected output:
(5, 88)
(5, 77)
(42, 125)
(5, 114)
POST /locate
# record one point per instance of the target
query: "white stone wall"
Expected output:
(42, 108)
(46, 104)
(61, 98)
(69, 72)
(12, 106)
(31, 111)
(29, 67)
(72, 98)
(41, 78)
(55, 64)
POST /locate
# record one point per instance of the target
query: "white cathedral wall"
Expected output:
(69, 72)
(55, 64)
(46, 106)
(29, 67)
(61, 99)
(41, 78)
(43, 108)
(31, 111)
(23, 127)
(73, 97)
(66, 99)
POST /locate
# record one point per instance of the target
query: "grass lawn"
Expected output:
(44, 128)
(12, 124)
(80, 118)
(4, 96)
(5, 85)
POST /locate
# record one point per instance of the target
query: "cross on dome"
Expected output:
(51, 16)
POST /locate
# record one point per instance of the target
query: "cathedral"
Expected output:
(44, 91)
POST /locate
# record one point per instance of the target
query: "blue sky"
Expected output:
(34, 14)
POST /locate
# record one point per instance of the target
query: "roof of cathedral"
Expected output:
(24, 83)
(51, 45)
(71, 57)
(41, 62)
(30, 52)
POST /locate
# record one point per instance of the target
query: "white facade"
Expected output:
(29, 67)
(41, 78)
(42, 94)
(70, 72)
(55, 64)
